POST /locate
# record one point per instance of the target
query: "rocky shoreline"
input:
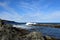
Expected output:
(8, 32)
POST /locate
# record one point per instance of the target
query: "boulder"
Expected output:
(49, 38)
(34, 36)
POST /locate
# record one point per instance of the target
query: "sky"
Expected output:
(30, 10)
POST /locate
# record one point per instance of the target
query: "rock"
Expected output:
(34, 36)
(8, 32)
(37, 36)
(49, 38)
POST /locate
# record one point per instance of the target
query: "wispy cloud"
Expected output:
(39, 17)
(9, 16)
(53, 15)
(10, 13)
(33, 12)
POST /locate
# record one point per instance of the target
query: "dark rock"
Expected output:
(8, 32)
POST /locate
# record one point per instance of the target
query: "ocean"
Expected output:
(53, 32)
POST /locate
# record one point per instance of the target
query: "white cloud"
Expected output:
(39, 17)
(35, 16)
(54, 15)
(10, 13)
(9, 16)
(29, 6)
(2, 4)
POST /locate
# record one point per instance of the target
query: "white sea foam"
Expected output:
(22, 26)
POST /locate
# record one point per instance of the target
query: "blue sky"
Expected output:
(30, 10)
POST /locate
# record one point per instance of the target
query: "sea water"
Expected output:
(53, 32)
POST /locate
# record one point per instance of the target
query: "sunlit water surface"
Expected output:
(53, 32)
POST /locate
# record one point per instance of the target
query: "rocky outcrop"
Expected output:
(49, 38)
(34, 36)
(37, 36)
(8, 32)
